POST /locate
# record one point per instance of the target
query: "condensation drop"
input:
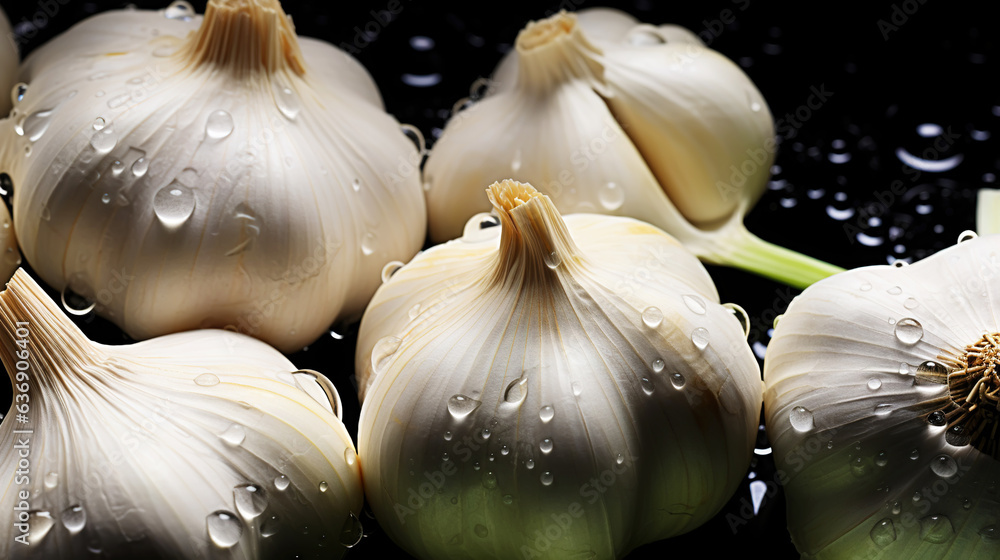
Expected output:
(957, 436)
(910, 303)
(695, 304)
(179, 9)
(351, 457)
(990, 533)
(937, 418)
(516, 391)
(652, 316)
(489, 480)
(894, 291)
(546, 445)
(352, 531)
(269, 527)
(207, 379)
(546, 478)
(801, 419)
(546, 413)
(553, 260)
(40, 523)
(76, 304)
(700, 338)
(611, 196)
(99, 123)
(515, 162)
(677, 380)
(883, 409)
(936, 529)
(219, 125)
(224, 528)
(874, 384)
(883, 533)
(140, 166)
(658, 365)
(909, 331)
(74, 518)
(36, 124)
(234, 435)
(882, 459)
(647, 386)
(104, 139)
(866, 287)
(383, 352)
(944, 466)
(323, 486)
(577, 389)
(281, 482)
(461, 406)
(914, 454)
(529, 464)
(368, 243)
(288, 102)
(481, 531)
(51, 480)
(250, 500)
(174, 204)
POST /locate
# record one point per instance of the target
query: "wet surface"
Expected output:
(888, 121)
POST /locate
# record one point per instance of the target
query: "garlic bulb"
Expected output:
(8, 64)
(646, 123)
(881, 406)
(189, 445)
(186, 173)
(988, 211)
(551, 387)
(10, 257)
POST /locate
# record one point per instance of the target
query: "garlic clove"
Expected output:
(8, 65)
(10, 256)
(506, 369)
(185, 446)
(653, 126)
(862, 379)
(209, 173)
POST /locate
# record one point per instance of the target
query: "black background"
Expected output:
(926, 62)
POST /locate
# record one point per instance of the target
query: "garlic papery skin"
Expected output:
(204, 444)
(504, 372)
(880, 402)
(646, 123)
(209, 172)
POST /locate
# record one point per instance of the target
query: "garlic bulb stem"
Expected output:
(244, 37)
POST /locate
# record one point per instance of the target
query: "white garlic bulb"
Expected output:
(8, 64)
(185, 173)
(189, 445)
(506, 371)
(647, 123)
(881, 406)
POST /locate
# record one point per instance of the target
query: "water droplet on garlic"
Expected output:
(882, 409)
(234, 435)
(944, 466)
(546, 445)
(547, 478)
(894, 291)
(250, 500)
(76, 304)
(883, 533)
(516, 391)
(207, 380)
(174, 204)
(461, 406)
(36, 124)
(368, 243)
(51, 480)
(104, 140)
(489, 480)
(281, 482)
(352, 531)
(546, 413)
(323, 486)
(700, 338)
(936, 529)
(219, 125)
(139, 167)
(40, 523)
(74, 518)
(801, 419)
(224, 528)
(288, 102)
(553, 260)
(647, 385)
(611, 196)
(695, 304)
(677, 380)
(874, 384)
(909, 331)
(652, 316)
(658, 365)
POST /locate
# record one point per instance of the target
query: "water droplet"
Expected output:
(383, 351)
(180, 10)
(18, 92)
(874, 384)
(909, 331)
(323, 486)
(368, 243)
(352, 531)
(700, 338)
(652, 316)
(224, 528)
(957, 436)
(552, 260)
(250, 500)
(695, 304)
(269, 527)
(577, 389)
(36, 124)
(914, 454)
(936, 529)
(611, 196)
(461, 406)
(104, 139)
(529, 464)
(546, 445)
(234, 435)
(219, 125)
(51, 480)
(76, 304)
(508, 499)
(444, 457)
(990, 533)
(866, 287)
(883, 533)
(207, 380)
(40, 523)
(504, 450)
(516, 391)
(647, 386)
(937, 418)
(910, 303)
(896, 508)
(515, 163)
(389, 269)
(485, 435)
(140, 166)
(281, 482)
(99, 123)
(801, 419)
(677, 380)
(546, 413)
(174, 204)
(74, 518)
(288, 102)
(967, 503)
(944, 466)
(882, 459)
(883, 409)
(546, 478)
(489, 480)
(967, 235)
